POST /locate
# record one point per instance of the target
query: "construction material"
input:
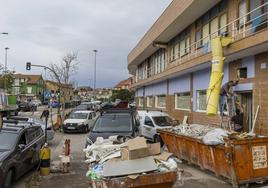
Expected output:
(217, 71)
(109, 164)
(137, 148)
(255, 119)
(239, 160)
(122, 168)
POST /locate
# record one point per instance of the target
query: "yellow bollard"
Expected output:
(45, 153)
(217, 73)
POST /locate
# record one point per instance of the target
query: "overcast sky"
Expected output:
(42, 31)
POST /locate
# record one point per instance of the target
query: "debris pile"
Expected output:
(208, 134)
(111, 158)
(193, 130)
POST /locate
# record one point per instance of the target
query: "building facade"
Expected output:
(67, 90)
(30, 86)
(172, 62)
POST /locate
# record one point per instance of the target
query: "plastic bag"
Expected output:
(214, 137)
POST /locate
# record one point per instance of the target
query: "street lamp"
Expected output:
(95, 67)
(6, 49)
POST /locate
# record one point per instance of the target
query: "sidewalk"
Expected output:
(77, 176)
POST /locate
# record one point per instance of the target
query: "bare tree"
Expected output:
(63, 72)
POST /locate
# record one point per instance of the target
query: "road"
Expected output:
(192, 176)
(76, 177)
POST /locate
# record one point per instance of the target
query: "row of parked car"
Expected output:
(119, 118)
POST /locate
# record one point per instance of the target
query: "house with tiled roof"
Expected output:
(31, 86)
(124, 84)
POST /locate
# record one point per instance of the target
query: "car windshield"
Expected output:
(162, 121)
(78, 115)
(7, 140)
(113, 123)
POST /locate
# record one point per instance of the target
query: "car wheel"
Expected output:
(8, 180)
(86, 129)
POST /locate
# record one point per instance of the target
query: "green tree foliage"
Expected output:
(6, 80)
(123, 94)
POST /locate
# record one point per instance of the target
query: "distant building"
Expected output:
(30, 86)
(66, 89)
(124, 84)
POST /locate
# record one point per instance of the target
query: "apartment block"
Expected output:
(171, 64)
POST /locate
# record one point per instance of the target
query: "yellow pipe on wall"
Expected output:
(217, 73)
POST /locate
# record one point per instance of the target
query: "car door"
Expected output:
(36, 140)
(148, 127)
(90, 119)
(22, 154)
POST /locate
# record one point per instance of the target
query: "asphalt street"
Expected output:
(193, 177)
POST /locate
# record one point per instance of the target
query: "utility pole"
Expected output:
(5, 75)
(95, 67)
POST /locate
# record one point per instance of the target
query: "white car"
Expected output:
(150, 121)
(36, 102)
(79, 121)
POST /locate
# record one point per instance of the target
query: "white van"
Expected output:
(79, 121)
(150, 121)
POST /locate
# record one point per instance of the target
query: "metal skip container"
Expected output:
(240, 161)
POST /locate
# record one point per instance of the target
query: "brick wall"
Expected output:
(260, 92)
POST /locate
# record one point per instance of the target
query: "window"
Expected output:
(201, 100)
(223, 23)
(160, 101)
(198, 37)
(141, 101)
(183, 100)
(242, 72)
(205, 33)
(29, 90)
(253, 5)
(242, 12)
(148, 121)
(182, 47)
(150, 101)
(214, 26)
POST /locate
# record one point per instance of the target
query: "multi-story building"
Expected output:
(30, 86)
(172, 62)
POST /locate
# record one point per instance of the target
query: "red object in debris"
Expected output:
(67, 149)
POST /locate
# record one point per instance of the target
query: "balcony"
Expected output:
(250, 36)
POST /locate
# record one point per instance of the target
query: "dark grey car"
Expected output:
(19, 151)
(114, 122)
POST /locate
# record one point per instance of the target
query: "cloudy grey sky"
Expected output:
(42, 31)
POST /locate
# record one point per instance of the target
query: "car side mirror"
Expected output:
(21, 147)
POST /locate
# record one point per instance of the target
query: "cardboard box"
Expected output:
(154, 149)
(136, 148)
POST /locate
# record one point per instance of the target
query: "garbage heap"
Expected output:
(116, 157)
(208, 134)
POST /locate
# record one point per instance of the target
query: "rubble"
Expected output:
(108, 159)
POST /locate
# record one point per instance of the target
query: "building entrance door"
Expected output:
(244, 101)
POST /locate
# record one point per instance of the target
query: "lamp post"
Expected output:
(6, 49)
(95, 67)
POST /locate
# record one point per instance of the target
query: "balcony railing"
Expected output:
(239, 28)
